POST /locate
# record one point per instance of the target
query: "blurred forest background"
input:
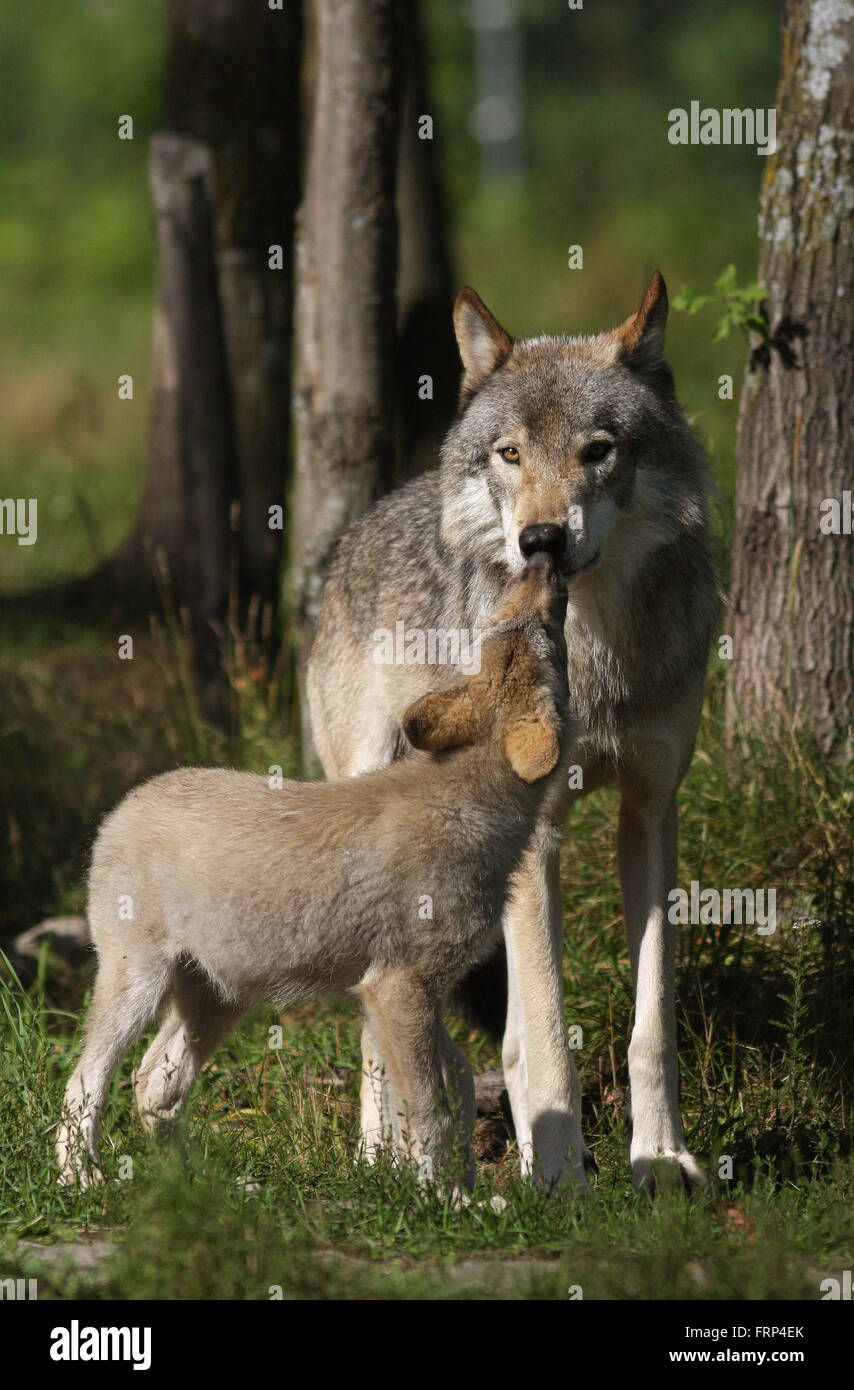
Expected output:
(595, 168)
(590, 165)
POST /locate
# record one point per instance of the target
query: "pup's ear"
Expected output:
(443, 719)
(532, 749)
(641, 337)
(482, 342)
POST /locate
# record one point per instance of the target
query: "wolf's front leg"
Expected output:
(542, 1083)
(647, 845)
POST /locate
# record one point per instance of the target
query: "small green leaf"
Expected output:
(727, 281)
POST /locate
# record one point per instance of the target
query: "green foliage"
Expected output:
(741, 304)
(77, 248)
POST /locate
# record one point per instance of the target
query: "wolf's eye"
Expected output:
(599, 449)
(510, 454)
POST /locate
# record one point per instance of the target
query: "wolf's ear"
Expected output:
(641, 337)
(443, 719)
(482, 342)
(532, 749)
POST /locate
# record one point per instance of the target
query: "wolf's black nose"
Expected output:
(544, 536)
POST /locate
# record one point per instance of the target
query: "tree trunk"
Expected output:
(793, 584)
(232, 86)
(345, 310)
(425, 289)
(233, 83)
(193, 341)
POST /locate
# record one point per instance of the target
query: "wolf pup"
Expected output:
(210, 891)
(576, 447)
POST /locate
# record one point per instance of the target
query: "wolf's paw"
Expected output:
(572, 1177)
(665, 1169)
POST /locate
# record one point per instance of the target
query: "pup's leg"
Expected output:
(128, 992)
(350, 739)
(648, 871)
(542, 1083)
(378, 1102)
(198, 1020)
(404, 1016)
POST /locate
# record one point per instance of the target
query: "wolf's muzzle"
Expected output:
(544, 536)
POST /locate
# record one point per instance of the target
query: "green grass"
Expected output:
(187, 1224)
(264, 1191)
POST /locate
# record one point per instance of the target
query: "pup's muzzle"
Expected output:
(538, 594)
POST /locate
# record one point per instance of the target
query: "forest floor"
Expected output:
(264, 1196)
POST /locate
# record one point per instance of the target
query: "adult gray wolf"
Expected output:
(575, 446)
(213, 890)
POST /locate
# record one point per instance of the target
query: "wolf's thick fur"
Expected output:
(239, 892)
(575, 444)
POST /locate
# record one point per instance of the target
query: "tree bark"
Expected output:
(233, 83)
(345, 309)
(425, 289)
(793, 585)
(232, 86)
(193, 340)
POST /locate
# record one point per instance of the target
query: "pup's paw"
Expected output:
(80, 1175)
(661, 1168)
